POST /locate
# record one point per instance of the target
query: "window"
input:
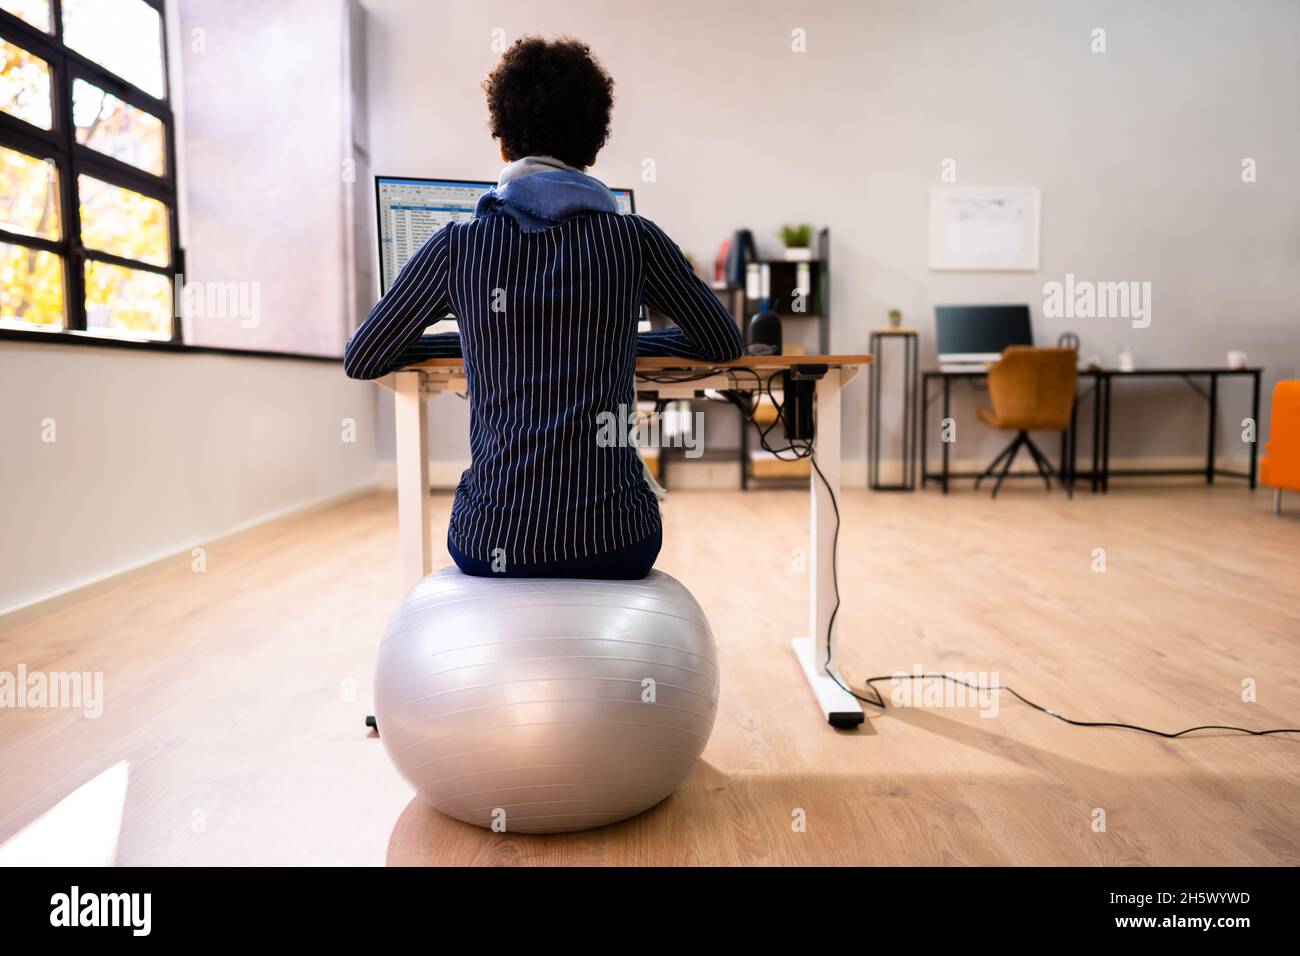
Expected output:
(88, 239)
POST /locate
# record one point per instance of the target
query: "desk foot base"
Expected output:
(840, 708)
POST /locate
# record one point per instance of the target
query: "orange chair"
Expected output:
(1031, 388)
(1280, 468)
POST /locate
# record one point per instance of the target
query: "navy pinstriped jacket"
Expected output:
(547, 321)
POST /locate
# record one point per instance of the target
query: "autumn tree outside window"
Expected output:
(88, 228)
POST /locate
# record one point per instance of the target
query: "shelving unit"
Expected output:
(910, 341)
(782, 286)
(732, 298)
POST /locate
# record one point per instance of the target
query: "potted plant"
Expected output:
(797, 241)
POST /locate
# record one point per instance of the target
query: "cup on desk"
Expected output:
(1236, 359)
(1127, 362)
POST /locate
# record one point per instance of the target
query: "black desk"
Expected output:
(1212, 375)
(1100, 390)
(1069, 442)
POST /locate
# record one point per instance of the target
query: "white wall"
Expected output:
(1137, 152)
(157, 452)
(265, 131)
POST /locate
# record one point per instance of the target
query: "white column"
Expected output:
(822, 541)
(839, 707)
(411, 420)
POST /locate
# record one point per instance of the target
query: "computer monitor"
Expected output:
(977, 334)
(625, 201)
(409, 210)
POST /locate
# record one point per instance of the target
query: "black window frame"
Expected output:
(72, 159)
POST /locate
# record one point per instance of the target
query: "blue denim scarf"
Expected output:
(538, 193)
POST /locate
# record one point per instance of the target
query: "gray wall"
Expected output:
(1137, 151)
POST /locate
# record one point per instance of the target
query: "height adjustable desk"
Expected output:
(413, 385)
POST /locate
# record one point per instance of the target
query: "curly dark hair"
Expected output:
(550, 98)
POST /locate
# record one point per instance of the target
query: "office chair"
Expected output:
(1031, 389)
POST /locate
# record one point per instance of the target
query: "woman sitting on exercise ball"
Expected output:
(546, 284)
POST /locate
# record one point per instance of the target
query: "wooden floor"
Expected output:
(235, 697)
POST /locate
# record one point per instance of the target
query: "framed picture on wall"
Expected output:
(984, 228)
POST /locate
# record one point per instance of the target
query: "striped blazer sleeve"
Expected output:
(392, 336)
(705, 330)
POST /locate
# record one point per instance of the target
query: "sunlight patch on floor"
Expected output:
(80, 830)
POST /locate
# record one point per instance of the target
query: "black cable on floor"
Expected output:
(879, 700)
(870, 681)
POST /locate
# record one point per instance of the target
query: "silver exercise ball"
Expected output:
(545, 705)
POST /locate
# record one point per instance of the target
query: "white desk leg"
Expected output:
(411, 420)
(840, 707)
